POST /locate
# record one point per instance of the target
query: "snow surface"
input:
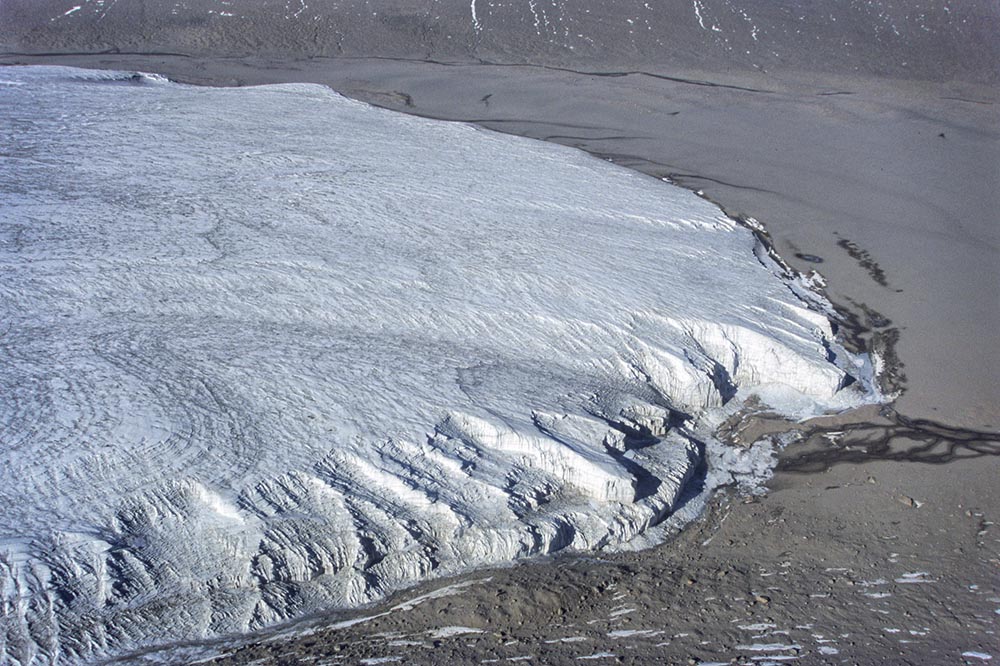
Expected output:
(268, 350)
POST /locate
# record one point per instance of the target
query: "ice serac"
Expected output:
(268, 351)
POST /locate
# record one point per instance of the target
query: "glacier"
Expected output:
(268, 351)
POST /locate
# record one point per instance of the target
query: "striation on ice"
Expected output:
(267, 351)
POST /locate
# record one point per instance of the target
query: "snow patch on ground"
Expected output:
(768, 647)
(632, 633)
(448, 632)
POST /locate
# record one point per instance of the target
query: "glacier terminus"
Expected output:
(267, 351)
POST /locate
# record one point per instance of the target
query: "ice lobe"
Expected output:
(268, 350)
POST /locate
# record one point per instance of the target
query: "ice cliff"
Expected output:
(267, 351)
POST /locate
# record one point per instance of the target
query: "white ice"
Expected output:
(269, 351)
(632, 633)
(448, 632)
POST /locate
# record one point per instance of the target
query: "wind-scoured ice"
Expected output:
(267, 351)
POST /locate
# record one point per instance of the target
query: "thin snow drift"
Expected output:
(269, 350)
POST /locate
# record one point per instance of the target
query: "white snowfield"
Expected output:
(266, 351)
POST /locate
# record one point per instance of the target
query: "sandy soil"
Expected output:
(876, 542)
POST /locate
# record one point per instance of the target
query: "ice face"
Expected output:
(269, 350)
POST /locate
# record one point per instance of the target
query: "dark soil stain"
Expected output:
(865, 260)
(905, 440)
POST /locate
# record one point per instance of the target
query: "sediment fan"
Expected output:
(268, 351)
